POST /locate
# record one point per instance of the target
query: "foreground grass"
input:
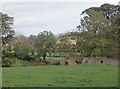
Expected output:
(61, 76)
(0, 76)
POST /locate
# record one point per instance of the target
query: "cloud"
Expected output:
(104, 1)
(33, 17)
(111, 1)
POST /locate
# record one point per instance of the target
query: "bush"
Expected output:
(7, 62)
(56, 63)
(24, 52)
(21, 50)
(8, 58)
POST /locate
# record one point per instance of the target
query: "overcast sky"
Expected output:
(58, 17)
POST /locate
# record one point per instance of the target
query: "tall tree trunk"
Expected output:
(44, 56)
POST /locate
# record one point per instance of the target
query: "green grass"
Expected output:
(22, 63)
(53, 59)
(0, 77)
(19, 62)
(61, 76)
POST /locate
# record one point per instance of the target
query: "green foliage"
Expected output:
(7, 36)
(98, 34)
(96, 52)
(8, 58)
(7, 62)
(7, 31)
(7, 23)
(45, 43)
(22, 50)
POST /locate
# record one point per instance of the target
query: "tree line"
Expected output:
(96, 36)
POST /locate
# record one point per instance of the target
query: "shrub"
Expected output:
(8, 58)
(7, 62)
(56, 63)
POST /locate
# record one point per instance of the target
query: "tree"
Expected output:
(8, 58)
(95, 28)
(23, 51)
(7, 40)
(99, 31)
(24, 48)
(32, 39)
(0, 35)
(66, 44)
(7, 29)
(45, 43)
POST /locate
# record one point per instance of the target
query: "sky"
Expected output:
(51, 15)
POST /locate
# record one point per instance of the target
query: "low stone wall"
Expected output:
(67, 62)
(99, 60)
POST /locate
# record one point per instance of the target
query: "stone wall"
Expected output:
(67, 62)
(99, 60)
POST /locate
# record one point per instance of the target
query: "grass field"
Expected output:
(61, 76)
